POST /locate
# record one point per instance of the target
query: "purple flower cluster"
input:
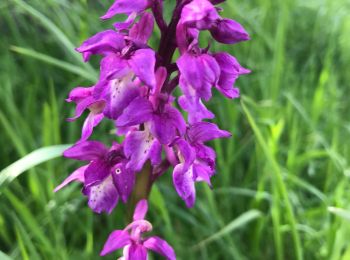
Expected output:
(135, 90)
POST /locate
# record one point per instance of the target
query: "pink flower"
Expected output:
(132, 240)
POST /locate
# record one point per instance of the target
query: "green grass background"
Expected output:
(282, 187)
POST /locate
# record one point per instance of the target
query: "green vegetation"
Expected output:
(282, 188)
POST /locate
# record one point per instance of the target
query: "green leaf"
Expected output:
(34, 158)
(343, 213)
(3, 256)
(239, 222)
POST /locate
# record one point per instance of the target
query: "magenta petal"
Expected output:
(203, 172)
(142, 63)
(140, 210)
(195, 108)
(142, 30)
(119, 94)
(230, 71)
(112, 67)
(205, 153)
(137, 252)
(205, 131)
(184, 184)
(97, 171)
(119, 26)
(102, 43)
(186, 151)
(102, 196)
(82, 105)
(165, 124)
(86, 151)
(229, 31)
(116, 240)
(139, 147)
(198, 72)
(79, 93)
(160, 246)
(126, 7)
(200, 14)
(77, 175)
(139, 111)
(90, 122)
(124, 180)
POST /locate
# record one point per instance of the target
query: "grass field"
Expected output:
(282, 190)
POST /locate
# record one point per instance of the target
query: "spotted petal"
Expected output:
(124, 180)
(102, 196)
(139, 147)
(119, 94)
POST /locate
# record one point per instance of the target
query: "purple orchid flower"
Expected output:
(126, 7)
(121, 57)
(122, 63)
(198, 73)
(84, 99)
(161, 124)
(105, 178)
(196, 161)
(135, 90)
(131, 239)
(202, 15)
(200, 70)
(230, 70)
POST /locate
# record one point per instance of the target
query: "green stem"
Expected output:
(142, 188)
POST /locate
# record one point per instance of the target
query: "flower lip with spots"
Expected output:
(105, 178)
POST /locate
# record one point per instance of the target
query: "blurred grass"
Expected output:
(282, 188)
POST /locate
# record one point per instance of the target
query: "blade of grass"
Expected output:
(281, 185)
(55, 32)
(343, 213)
(239, 222)
(56, 62)
(34, 158)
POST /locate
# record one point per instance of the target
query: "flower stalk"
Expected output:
(142, 189)
(135, 90)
